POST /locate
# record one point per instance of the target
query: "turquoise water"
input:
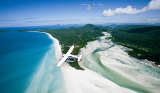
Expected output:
(113, 63)
(26, 61)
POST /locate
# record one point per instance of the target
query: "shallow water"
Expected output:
(112, 62)
(28, 63)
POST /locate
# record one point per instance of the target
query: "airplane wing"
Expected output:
(62, 60)
(70, 50)
(65, 56)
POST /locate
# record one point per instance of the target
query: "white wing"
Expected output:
(70, 50)
(62, 60)
(65, 56)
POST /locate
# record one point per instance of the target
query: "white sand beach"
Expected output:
(86, 81)
(120, 66)
(57, 46)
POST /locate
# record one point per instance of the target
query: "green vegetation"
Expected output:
(144, 40)
(78, 36)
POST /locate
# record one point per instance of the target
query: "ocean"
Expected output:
(28, 63)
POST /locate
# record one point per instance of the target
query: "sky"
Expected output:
(16, 13)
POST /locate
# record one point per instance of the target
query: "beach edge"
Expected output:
(57, 46)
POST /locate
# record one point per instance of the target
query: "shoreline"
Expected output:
(80, 81)
(44, 72)
(57, 46)
(88, 81)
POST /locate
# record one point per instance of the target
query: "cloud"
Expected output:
(153, 5)
(89, 6)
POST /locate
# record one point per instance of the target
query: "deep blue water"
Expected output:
(33, 28)
(21, 57)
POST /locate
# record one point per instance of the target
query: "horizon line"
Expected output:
(79, 24)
